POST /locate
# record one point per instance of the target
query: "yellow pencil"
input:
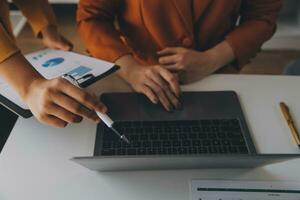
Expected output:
(286, 113)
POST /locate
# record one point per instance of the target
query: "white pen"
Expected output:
(104, 117)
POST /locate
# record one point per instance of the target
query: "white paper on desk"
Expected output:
(243, 190)
(54, 63)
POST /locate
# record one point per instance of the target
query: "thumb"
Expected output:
(64, 44)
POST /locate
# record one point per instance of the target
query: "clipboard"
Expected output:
(55, 63)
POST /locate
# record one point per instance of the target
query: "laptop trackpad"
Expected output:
(195, 105)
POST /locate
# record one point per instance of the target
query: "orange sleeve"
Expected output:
(95, 19)
(38, 12)
(257, 25)
(7, 44)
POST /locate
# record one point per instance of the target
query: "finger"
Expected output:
(75, 107)
(68, 43)
(150, 94)
(165, 86)
(172, 67)
(63, 44)
(174, 100)
(157, 78)
(104, 110)
(172, 80)
(168, 60)
(168, 50)
(64, 114)
(160, 94)
(82, 97)
(54, 121)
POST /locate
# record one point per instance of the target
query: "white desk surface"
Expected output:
(35, 165)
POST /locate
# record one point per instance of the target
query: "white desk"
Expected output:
(34, 163)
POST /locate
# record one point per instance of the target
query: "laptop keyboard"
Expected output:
(175, 138)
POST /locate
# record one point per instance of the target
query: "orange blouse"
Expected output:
(39, 14)
(146, 26)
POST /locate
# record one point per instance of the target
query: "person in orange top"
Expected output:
(55, 102)
(157, 41)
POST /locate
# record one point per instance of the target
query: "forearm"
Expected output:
(18, 73)
(38, 12)
(257, 25)
(221, 55)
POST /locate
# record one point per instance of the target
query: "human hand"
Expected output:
(157, 83)
(178, 59)
(57, 102)
(194, 65)
(53, 39)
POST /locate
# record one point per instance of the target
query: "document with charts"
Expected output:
(243, 190)
(54, 63)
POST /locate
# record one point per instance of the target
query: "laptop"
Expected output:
(208, 131)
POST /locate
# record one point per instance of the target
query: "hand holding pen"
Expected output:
(104, 117)
(57, 102)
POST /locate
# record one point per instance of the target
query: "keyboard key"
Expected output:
(173, 136)
(182, 150)
(146, 144)
(196, 142)
(202, 150)
(212, 135)
(183, 136)
(166, 143)
(226, 142)
(141, 151)
(152, 151)
(121, 152)
(186, 143)
(144, 137)
(108, 152)
(216, 142)
(173, 151)
(176, 143)
(243, 149)
(136, 144)
(237, 142)
(117, 145)
(192, 135)
(154, 137)
(163, 136)
(232, 149)
(186, 129)
(156, 144)
(192, 150)
(107, 144)
(206, 142)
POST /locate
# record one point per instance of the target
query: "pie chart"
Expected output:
(53, 62)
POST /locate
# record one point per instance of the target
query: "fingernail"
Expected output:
(179, 105)
(169, 108)
(97, 120)
(155, 101)
(102, 108)
(79, 119)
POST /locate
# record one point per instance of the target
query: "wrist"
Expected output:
(127, 65)
(18, 65)
(32, 84)
(220, 55)
(48, 30)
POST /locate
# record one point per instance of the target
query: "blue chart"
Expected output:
(79, 71)
(53, 62)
